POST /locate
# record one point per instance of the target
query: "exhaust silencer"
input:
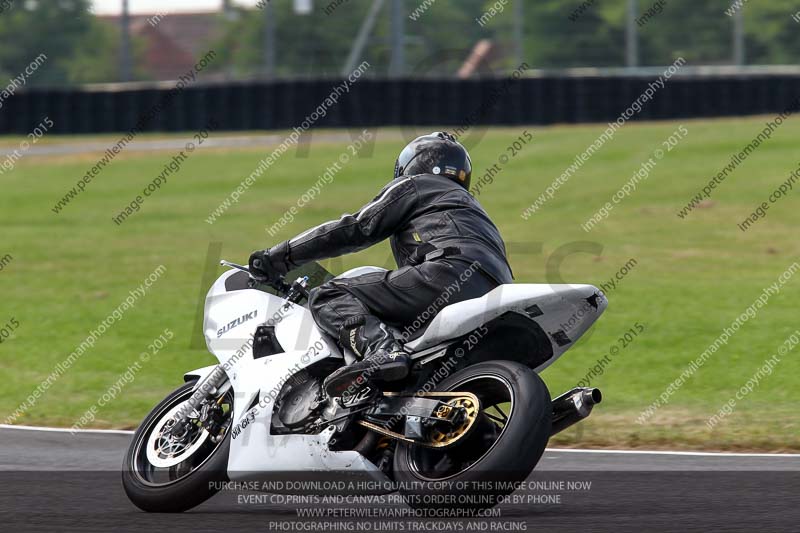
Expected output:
(572, 407)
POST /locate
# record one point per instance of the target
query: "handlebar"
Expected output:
(234, 265)
(293, 293)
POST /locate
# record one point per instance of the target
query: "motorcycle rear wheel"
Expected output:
(510, 436)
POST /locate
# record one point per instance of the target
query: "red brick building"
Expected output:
(173, 41)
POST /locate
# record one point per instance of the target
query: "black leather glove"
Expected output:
(261, 267)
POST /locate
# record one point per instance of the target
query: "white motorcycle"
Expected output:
(473, 409)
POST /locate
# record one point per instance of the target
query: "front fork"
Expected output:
(215, 385)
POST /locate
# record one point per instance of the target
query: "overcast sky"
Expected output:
(103, 7)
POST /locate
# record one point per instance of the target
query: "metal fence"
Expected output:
(540, 99)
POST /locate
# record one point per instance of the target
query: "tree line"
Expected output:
(557, 34)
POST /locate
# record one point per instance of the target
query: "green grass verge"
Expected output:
(693, 277)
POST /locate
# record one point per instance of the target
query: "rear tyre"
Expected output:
(172, 488)
(502, 449)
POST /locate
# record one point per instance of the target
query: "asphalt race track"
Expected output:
(55, 481)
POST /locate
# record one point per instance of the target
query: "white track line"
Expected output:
(664, 452)
(67, 430)
(556, 450)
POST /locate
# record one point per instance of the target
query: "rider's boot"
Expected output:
(382, 357)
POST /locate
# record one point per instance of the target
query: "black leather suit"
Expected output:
(443, 242)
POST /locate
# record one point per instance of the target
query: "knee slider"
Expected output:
(354, 321)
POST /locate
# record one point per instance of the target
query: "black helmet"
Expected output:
(438, 153)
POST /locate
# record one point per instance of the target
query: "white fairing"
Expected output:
(566, 314)
(254, 450)
(231, 318)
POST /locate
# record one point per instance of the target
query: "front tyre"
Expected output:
(502, 449)
(168, 473)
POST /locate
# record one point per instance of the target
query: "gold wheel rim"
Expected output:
(466, 403)
(463, 399)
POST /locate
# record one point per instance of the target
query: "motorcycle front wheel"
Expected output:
(502, 448)
(168, 473)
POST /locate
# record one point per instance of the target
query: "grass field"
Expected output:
(691, 279)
